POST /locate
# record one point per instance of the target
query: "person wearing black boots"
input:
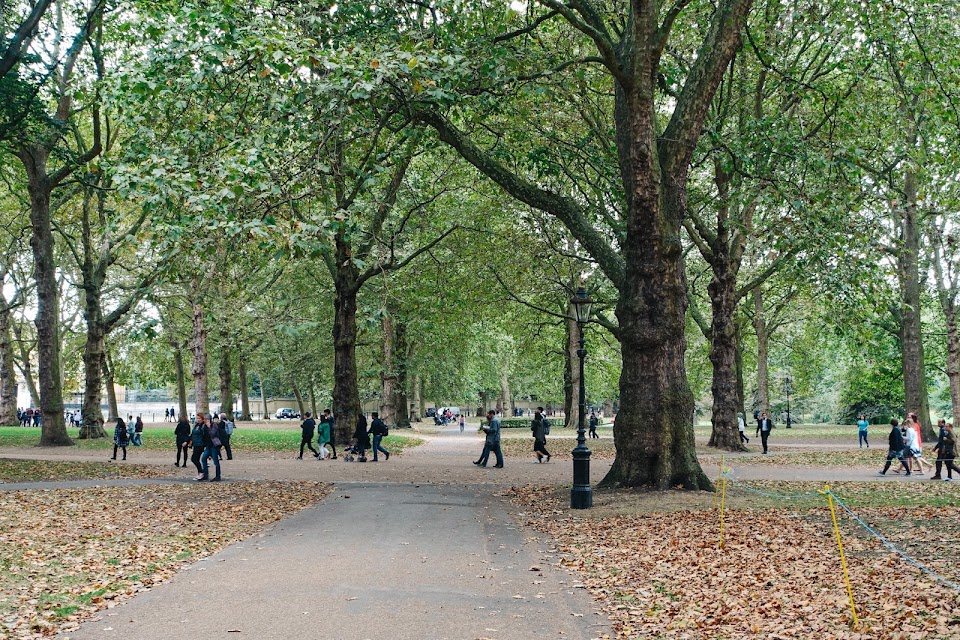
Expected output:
(182, 431)
(895, 441)
(938, 448)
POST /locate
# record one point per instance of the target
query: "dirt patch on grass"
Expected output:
(68, 553)
(652, 559)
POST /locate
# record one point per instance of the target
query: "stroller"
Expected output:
(355, 452)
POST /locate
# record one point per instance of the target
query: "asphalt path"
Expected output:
(372, 561)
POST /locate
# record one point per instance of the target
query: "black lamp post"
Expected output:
(581, 495)
(786, 387)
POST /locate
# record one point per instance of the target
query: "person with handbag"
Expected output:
(212, 444)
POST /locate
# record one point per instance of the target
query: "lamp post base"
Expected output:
(581, 495)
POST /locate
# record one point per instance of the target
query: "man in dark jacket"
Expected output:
(378, 429)
(540, 436)
(764, 427)
(938, 448)
(307, 427)
(895, 448)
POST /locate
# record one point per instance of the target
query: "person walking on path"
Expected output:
(742, 428)
(196, 440)
(166, 414)
(226, 431)
(539, 429)
(463, 423)
(492, 441)
(949, 452)
(120, 439)
(938, 448)
(764, 427)
(912, 450)
(379, 431)
(323, 437)
(862, 426)
(594, 421)
(212, 444)
(895, 447)
(330, 431)
(138, 432)
(306, 436)
(361, 438)
(182, 432)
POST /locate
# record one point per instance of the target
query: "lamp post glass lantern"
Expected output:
(581, 495)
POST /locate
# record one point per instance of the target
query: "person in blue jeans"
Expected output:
(211, 443)
(863, 425)
(378, 429)
(492, 442)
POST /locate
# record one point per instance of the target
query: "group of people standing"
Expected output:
(905, 445)
(207, 437)
(29, 417)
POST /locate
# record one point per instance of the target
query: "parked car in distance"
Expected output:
(286, 413)
(453, 410)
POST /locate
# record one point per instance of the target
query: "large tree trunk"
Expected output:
(93, 359)
(198, 346)
(571, 375)
(653, 431)
(181, 380)
(313, 397)
(388, 378)
(346, 396)
(723, 354)
(54, 428)
(244, 391)
(760, 327)
(911, 336)
(8, 373)
(112, 408)
(226, 381)
(953, 360)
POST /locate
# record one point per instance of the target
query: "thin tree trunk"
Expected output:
(313, 397)
(297, 395)
(953, 360)
(112, 408)
(388, 377)
(244, 391)
(8, 373)
(198, 347)
(571, 375)
(505, 396)
(181, 379)
(402, 353)
(226, 381)
(417, 399)
(54, 428)
(739, 364)
(263, 398)
(760, 327)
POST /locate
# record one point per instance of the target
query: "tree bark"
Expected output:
(226, 380)
(403, 352)
(297, 395)
(723, 354)
(112, 408)
(244, 391)
(417, 401)
(8, 373)
(571, 391)
(760, 327)
(953, 360)
(346, 396)
(313, 397)
(198, 347)
(93, 360)
(388, 377)
(263, 398)
(911, 331)
(39, 186)
(25, 367)
(505, 397)
(181, 380)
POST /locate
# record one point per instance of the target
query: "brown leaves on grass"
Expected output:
(661, 575)
(67, 553)
(559, 447)
(14, 470)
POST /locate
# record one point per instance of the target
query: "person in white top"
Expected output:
(742, 426)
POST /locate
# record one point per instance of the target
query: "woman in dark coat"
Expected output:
(182, 431)
(363, 440)
(120, 439)
(197, 438)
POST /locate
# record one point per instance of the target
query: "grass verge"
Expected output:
(12, 470)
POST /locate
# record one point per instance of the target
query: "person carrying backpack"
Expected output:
(226, 430)
(540, 427)
(379, 431)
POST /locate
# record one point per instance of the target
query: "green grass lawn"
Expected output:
(12, 470)
(162, 439)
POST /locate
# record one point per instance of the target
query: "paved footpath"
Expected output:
(372, 561)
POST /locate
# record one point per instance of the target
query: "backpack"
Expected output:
(546, 425)
(228, 428)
